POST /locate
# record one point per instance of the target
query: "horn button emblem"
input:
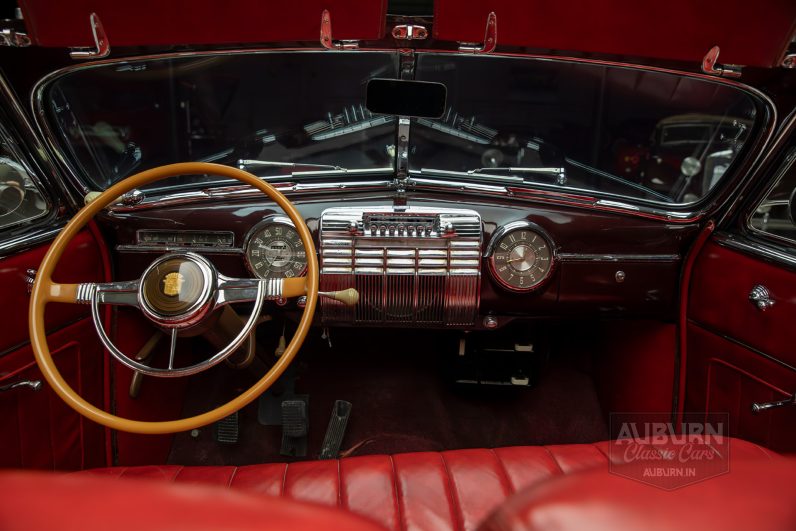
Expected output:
(172, 283)
(177, 290)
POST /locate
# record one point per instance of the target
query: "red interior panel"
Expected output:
(738, 354)
(153, 22)
(719, 300)
(81, 263)
(724, 377)
(676, 30)
(39, 429)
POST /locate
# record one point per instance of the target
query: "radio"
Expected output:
(410, 266)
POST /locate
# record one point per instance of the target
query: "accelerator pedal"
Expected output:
(295, 426)
(335, 432)
(227, 430)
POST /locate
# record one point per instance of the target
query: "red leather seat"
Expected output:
(448, 490)
(755, 494)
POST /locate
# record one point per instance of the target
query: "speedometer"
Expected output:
(274, 249)
(521, 256)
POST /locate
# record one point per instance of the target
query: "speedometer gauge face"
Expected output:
(274, 250)
(522, 258)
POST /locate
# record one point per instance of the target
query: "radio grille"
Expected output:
(410, 267)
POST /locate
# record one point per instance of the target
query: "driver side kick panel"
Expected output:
(39, 429)
(738, 354)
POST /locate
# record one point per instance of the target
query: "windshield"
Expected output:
(639, 134)
(609, 130)
(236, 109)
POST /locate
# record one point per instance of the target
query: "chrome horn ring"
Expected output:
(178, 313)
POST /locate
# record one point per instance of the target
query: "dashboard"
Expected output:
(431, 262)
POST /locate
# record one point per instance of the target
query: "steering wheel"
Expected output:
(177, 291)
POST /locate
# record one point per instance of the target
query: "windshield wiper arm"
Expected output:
(248, 163)
(559, 173)
(620, 180)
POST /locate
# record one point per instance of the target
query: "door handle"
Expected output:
(761, 297)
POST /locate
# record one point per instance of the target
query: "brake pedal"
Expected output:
(227, 429)
(335, 432)
(295, 426)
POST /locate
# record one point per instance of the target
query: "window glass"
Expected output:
(641, 134)
(776, 214)
(260, 111)
(20, 198)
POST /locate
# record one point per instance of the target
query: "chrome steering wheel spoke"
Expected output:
(232, 290)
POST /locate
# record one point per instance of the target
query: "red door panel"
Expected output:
(38, 429)
(738, 354)
(719, 300)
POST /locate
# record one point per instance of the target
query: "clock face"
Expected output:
(522, 259)
(274, 250)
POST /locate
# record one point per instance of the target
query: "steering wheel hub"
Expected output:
(178, 290)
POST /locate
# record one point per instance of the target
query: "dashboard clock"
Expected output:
(273, 249)
(521, 256)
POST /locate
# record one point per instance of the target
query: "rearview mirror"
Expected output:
(406, 98)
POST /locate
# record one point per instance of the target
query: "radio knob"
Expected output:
(373, 230)
(400, 230)
(420, 230)
(392, 230)
(383, 230)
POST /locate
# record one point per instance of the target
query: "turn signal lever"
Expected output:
(758, 407)
(349, 296)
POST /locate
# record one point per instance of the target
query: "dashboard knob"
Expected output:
(490, 322)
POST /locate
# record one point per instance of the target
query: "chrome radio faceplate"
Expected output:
(411, 266)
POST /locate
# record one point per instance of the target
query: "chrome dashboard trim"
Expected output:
(412, 266)
(36, 103)
(619, 257)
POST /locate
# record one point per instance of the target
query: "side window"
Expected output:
(21, 199)
(776, 214)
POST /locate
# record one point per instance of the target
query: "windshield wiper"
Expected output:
(248, 163)
(620, 180)
(559, 173)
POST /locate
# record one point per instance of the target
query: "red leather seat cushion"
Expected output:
(448, 490)
(755, 494)
(34, 500)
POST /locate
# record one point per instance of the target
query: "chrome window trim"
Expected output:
(783, 168)
(29, 240)
(756, 249)
(36, 103)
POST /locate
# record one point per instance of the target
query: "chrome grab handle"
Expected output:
(761, 297)
(757, 407)
(32, 384)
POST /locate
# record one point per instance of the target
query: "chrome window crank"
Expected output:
(32, 384)
(761, 297)
(757, 407)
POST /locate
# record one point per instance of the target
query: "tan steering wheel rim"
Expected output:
(45, 291)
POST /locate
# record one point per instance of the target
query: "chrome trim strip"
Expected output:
(29, 240)
(246, 192)
(618, 257)
(133, 248)
(756, 249)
